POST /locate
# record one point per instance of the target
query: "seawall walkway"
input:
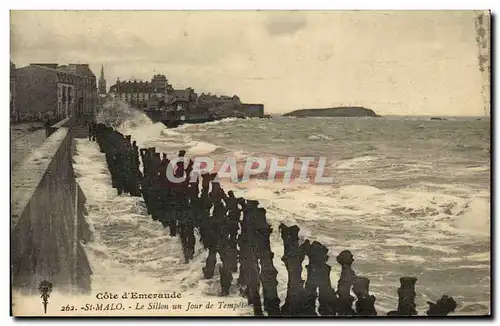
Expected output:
(23, 144)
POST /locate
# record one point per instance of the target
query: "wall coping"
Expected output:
(27, 176)
(60, 123)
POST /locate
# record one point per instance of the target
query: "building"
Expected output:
(137, 93)
(212, 100)
(102, 83)
(58, 91)
(13, 112)
(184, 99)
(251, 110)
(155, 102)
(222, 106)
(85, 90)
(158, 97)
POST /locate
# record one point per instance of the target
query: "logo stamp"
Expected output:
(45, 289)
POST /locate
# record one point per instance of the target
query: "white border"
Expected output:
(179, 5)
(257, 4)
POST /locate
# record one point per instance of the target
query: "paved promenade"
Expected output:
(24, 139)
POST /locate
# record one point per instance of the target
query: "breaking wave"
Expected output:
(199, 148)
(204, 124)
(355, 162)
(119, 114)
(319, 137)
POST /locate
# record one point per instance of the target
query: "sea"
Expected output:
(409, 196)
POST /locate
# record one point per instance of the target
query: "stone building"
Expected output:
(137, 93)
(184, 99)
(251, 110)
(58, 91)
(13, 111)
(213, 100)
(230, 106)
(223, 106)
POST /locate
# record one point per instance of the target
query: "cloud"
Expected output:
(289, 23)
(168, 38)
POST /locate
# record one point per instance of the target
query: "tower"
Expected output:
(102, 83)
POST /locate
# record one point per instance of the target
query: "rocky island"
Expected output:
(344, 111)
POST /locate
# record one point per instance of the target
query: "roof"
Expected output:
(181, 94)
(81, 70)
(133, 87)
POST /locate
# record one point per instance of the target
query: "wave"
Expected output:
(355, 162)
(118, 114)
(415, 207)
(478, 168)
(318, 137)
(209, 123)
(470, 148)
(174, 137)
(199, 148)
(170, 133)
(475, 217)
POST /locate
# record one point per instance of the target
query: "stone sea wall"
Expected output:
(48, 222)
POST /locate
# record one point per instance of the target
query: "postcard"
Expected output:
(250, 163)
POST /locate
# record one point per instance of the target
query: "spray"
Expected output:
(118, 114)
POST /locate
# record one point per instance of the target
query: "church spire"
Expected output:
(102, 82)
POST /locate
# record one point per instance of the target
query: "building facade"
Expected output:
(184, 99)
(138, 93)
(158, 95)
(13, 111)
(57, 91)
(251, 110)
(212, 100)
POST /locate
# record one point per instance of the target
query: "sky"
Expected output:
(394, 62)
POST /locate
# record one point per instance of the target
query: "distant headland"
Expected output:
(343, 111)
